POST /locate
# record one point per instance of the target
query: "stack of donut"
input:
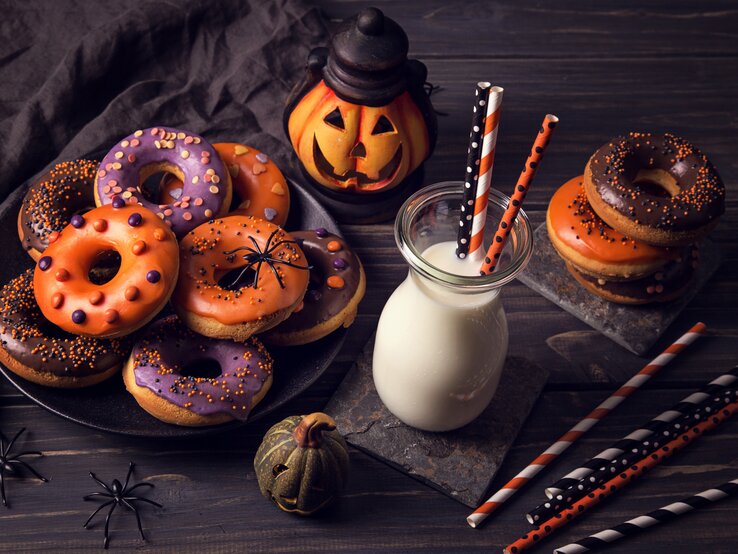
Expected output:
(111, 255)
(629, 228)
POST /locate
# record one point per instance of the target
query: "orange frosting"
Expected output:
(580, 228)
(205, 258)
(70, 300)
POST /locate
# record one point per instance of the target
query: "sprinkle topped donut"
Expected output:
(206, 190)
(65, 190)
(165, 358)
(585, 240)
(656, 188)
(238, 276)
(337, 285)
(149, 260)
(39, 352)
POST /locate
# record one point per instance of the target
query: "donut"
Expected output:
(205, 194)
(183, 378)
(149, 261)
(259, 187)
(665, 285)
(44, 354)
(337, 285)
(655, 188)
(238, 276)
(593, 247)
(51, 200)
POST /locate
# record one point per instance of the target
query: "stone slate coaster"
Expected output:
(636, 328)
(459, 463)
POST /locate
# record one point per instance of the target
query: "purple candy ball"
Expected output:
(77, 221)
(340, 263)
(118, 202)
(44, 263)
(321, 232)
(270, 213)
(153, 276)
(78, 316)
(135, 219)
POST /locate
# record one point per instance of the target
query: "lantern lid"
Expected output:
(368, 58)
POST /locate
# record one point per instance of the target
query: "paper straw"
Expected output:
(662, 515)
(657, 424)
(584, 425)
(489, 142)
(643, 448)
(621, 480)
(471, 177)
(521, 189)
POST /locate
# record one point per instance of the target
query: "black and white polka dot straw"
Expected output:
(662, 515)
(471, 174)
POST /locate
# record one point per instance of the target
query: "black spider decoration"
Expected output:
(257, 256)
(10, 463)
(119, 494)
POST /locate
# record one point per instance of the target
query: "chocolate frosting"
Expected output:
(36, 343)
(615, 165)
(206, 179)
(168, 347)
(673, 276)
(54, 198)
(329, 257)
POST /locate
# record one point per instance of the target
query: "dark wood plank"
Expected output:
(212, 502)
(510, 29)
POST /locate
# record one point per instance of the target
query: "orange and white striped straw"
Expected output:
(584, 425)
(521, 189)
(486, 163)
(621, 480)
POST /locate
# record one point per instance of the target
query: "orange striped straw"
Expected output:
(521, 189)
(621, 480)
(489, 142)
(584, 425)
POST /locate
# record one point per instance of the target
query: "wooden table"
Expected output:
(604, 68)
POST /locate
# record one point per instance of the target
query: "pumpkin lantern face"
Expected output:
(347, 146)
(302, 464)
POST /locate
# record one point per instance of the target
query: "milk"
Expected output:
(440, 351)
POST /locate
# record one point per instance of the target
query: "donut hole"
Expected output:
(656, 182)
(238, 278)
(104, 267)
(161, 183)
(204, 368)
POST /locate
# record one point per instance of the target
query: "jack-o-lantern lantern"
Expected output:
(361, 120)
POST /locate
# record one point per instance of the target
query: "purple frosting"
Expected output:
(205, 184)
(168, 346)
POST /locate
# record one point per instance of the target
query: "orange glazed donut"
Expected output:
(238, 276)
(149, 262)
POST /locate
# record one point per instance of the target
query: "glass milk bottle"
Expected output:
(442, 337)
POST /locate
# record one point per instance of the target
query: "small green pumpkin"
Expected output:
(302, 463)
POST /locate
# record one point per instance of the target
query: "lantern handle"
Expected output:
(309, 432)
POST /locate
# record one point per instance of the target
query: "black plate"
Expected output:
(109, 407)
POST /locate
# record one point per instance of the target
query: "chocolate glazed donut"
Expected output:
(157, 375)
(658, 189)
(51, 201)
(337, 285)
(42, 353)
(663, 286)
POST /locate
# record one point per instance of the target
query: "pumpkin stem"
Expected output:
(309, 432)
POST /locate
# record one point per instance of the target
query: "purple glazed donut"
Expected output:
(184, 378)
(205, 194)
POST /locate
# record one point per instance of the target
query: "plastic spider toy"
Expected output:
(256, 257)
(10, 463)
(118, 495)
